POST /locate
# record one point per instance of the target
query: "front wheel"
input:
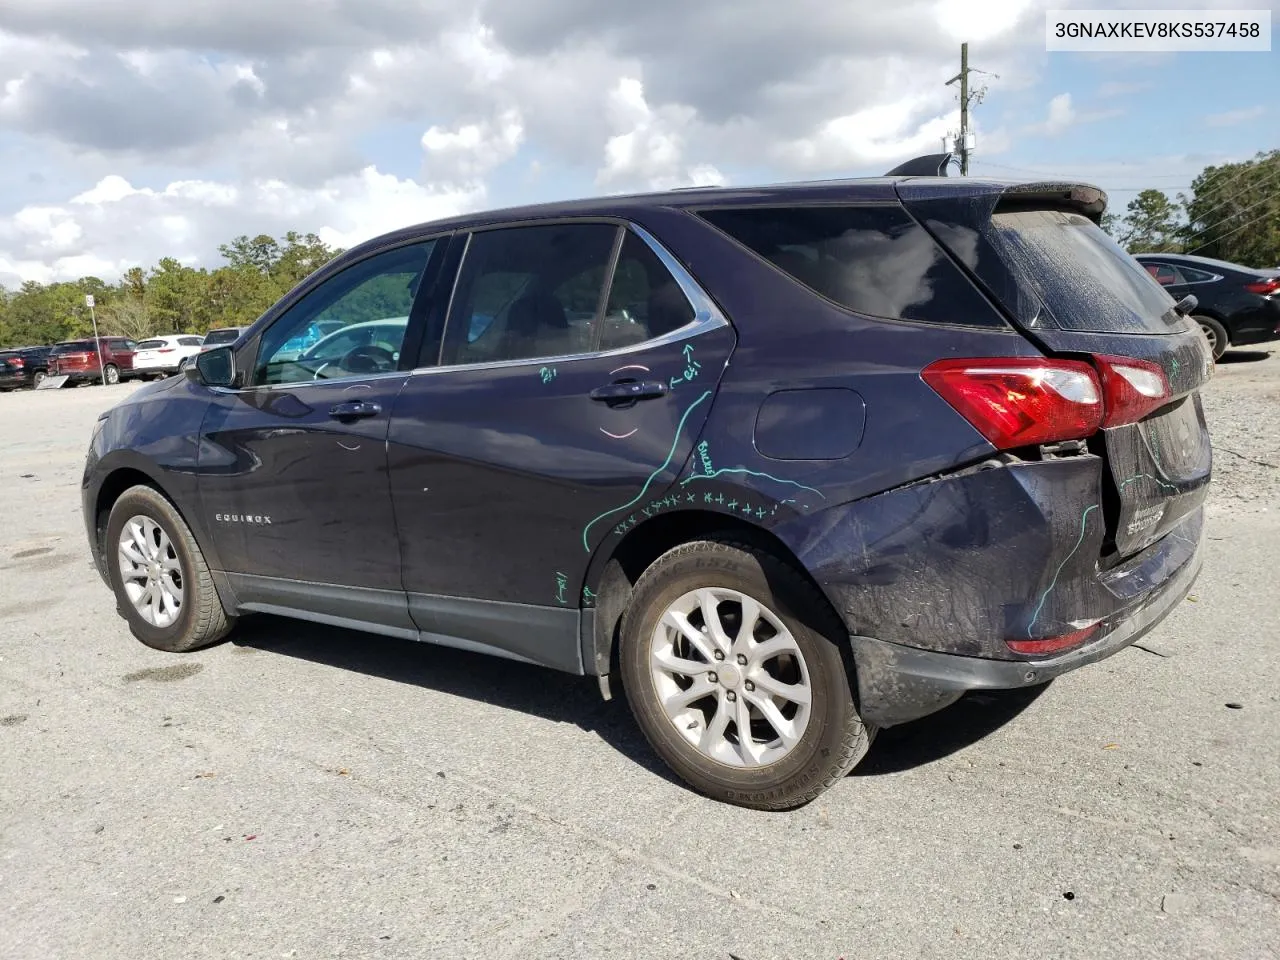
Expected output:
(111, 373)
(162, 584)
(38, 378)
(1216, 334)
(746, 699)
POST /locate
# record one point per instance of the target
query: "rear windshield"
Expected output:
(151, 344)
(222, 336)
(1084, 278)
(78, 346)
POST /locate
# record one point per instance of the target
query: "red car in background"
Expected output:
(78, 359)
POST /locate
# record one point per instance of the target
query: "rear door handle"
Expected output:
(354, 410)
(629, 391)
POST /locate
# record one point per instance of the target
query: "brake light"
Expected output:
(17, 362)
(1131, 388)
(1021, 401)
(1053, 644)
(165, 350)
(1263, 288)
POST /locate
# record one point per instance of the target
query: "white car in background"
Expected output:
(163, 355)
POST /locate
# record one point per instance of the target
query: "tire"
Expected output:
(199, 619)
(826, 742)
(1215, 333)
(38, 378)
(111, 373)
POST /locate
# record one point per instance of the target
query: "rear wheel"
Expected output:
(1215, 333)
(162, 584)
(111, 373)
(747, 699)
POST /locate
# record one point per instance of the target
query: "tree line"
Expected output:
(170, 297)
(1232, 213)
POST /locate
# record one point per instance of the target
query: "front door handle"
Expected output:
(354, 410)
(629, 391)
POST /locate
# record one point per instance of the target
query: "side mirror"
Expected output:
(215, 367)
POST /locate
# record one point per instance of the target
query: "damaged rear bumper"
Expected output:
(898, 683)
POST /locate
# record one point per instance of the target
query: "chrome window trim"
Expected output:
(706, 317)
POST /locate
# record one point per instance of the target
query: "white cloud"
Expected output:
(114, 225)
(649, 150)
(1063, 116)
(473, 149)
(1230, 118)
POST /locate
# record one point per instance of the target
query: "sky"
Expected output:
(131, 130)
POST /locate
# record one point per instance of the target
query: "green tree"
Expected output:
(1151, 224)
(1233, 212)
(261, 253)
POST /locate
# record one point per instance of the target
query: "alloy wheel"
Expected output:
(1211, 335)
(151, 571)
(730, 677)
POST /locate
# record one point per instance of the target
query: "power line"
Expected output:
(1247, 223)
(1229, 219)
(1265, 179)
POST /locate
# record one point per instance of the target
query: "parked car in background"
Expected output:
(221, 336)
(78, 360)
(23, 366)
(1235, 305)
(161, 356)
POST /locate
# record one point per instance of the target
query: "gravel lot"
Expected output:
(309, 792)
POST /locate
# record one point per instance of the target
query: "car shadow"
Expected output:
(1244, 356)
(565, 698)
(538, 691)
(968, 720)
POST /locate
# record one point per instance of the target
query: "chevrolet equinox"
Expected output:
(793, 463)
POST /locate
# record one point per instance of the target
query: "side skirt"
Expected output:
(545, 636)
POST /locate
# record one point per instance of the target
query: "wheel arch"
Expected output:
(613, 573)
(127, 473)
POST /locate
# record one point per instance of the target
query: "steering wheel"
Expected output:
(369, 358)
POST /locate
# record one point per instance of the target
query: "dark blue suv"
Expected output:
(795, 462)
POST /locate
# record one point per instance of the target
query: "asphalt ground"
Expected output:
(310, 792)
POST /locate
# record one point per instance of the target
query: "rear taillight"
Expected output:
(17, 362)
(1056, 644)
(1131, 389)
(1021, 401)
(1264, 288)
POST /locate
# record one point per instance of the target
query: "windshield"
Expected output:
(222, 336)
(151, 344)
(1084, 278)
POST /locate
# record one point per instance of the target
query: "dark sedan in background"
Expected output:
(1235, 305)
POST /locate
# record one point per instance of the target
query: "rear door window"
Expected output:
(529, 292)
(1085, 280)
(873, 260)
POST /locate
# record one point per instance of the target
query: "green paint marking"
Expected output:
(675, 443)
(562, 583)
(1084, 519)
(755, 473)
(1147, 476)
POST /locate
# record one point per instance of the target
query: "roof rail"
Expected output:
(931, 165)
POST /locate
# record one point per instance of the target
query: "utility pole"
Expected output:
(967, 97)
